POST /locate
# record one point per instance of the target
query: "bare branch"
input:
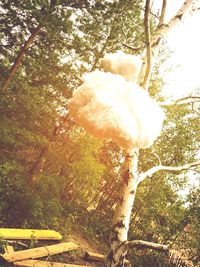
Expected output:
(181, 101)
(145, 244)
(163, 12)
(73, 59)
(145, 83)
(155, 169)
(103, 49)
(100, 53)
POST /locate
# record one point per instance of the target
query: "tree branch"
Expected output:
(100, 53)
(181, 101)
(162, 29)
(158, 35)
(163, 12)
(155, 169)
(147, 75)
(132, 48)
(145, 244)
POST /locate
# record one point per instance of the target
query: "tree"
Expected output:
(131, 178)
(53, 43)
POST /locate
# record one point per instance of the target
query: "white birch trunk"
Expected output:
(131, 179)
(121, 220)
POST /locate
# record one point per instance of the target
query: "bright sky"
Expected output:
(184, 41)
(184, 77)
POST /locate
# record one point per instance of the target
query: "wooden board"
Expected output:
(9, 249)
(94, 256)
(39, 252)
(36, 263)
(11, 233)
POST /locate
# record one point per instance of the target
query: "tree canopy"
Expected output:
(53, 172)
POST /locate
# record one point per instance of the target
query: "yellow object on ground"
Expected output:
(39, 252)
(36, 263)
(11, 233)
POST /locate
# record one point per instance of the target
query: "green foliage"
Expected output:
(51, 172)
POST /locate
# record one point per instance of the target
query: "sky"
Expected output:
(184, 43)
(184, 77)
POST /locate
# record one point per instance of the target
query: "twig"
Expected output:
(181, 101)
(73, 59)
(158, 158)
(141, 8)
(16, 242)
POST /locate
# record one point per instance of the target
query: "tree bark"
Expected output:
(24, 47)
(20, 57)
(145, 83)
(131, 179)
(160, 32)
(121, 220)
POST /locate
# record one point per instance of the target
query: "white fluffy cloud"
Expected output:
(109, 107)
(123, 64)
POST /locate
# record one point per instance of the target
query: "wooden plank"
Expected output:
(11, 233)
(39, 252)
(9, 249)
(36, 263)
(94, 256)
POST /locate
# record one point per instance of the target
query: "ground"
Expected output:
(76, 235)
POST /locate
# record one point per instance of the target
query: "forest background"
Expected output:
(52, 173)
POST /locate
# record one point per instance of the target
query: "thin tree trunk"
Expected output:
(103, 200)
(36, 165)
(107, 191)
(24, 48)
(100, 54)
(20, 57)
(119, 232)
(98, 195)
(145, 83)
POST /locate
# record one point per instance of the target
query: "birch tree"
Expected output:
(132, 178)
